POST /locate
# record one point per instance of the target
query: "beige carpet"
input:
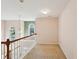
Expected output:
(45, 52)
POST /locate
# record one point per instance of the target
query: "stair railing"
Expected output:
(7, 47)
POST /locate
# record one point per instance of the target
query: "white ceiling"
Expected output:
(30, 9)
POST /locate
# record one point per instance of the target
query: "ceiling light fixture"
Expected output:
(45, 11)
(21, 1)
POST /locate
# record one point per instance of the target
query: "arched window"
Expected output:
(12, 33)
(31, 29)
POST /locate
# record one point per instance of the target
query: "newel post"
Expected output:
(7, 45)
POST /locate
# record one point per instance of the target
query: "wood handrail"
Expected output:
(23, 38)
(19, 38)
(8, 42)
(3, 42)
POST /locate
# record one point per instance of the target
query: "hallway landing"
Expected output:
(45, 51)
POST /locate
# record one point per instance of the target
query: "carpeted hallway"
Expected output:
(45, 51)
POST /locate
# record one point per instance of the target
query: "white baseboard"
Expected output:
(49, 43)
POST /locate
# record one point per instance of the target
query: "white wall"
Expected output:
(47, 30)
(67, 30)
(2, 30)
(22, 28)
